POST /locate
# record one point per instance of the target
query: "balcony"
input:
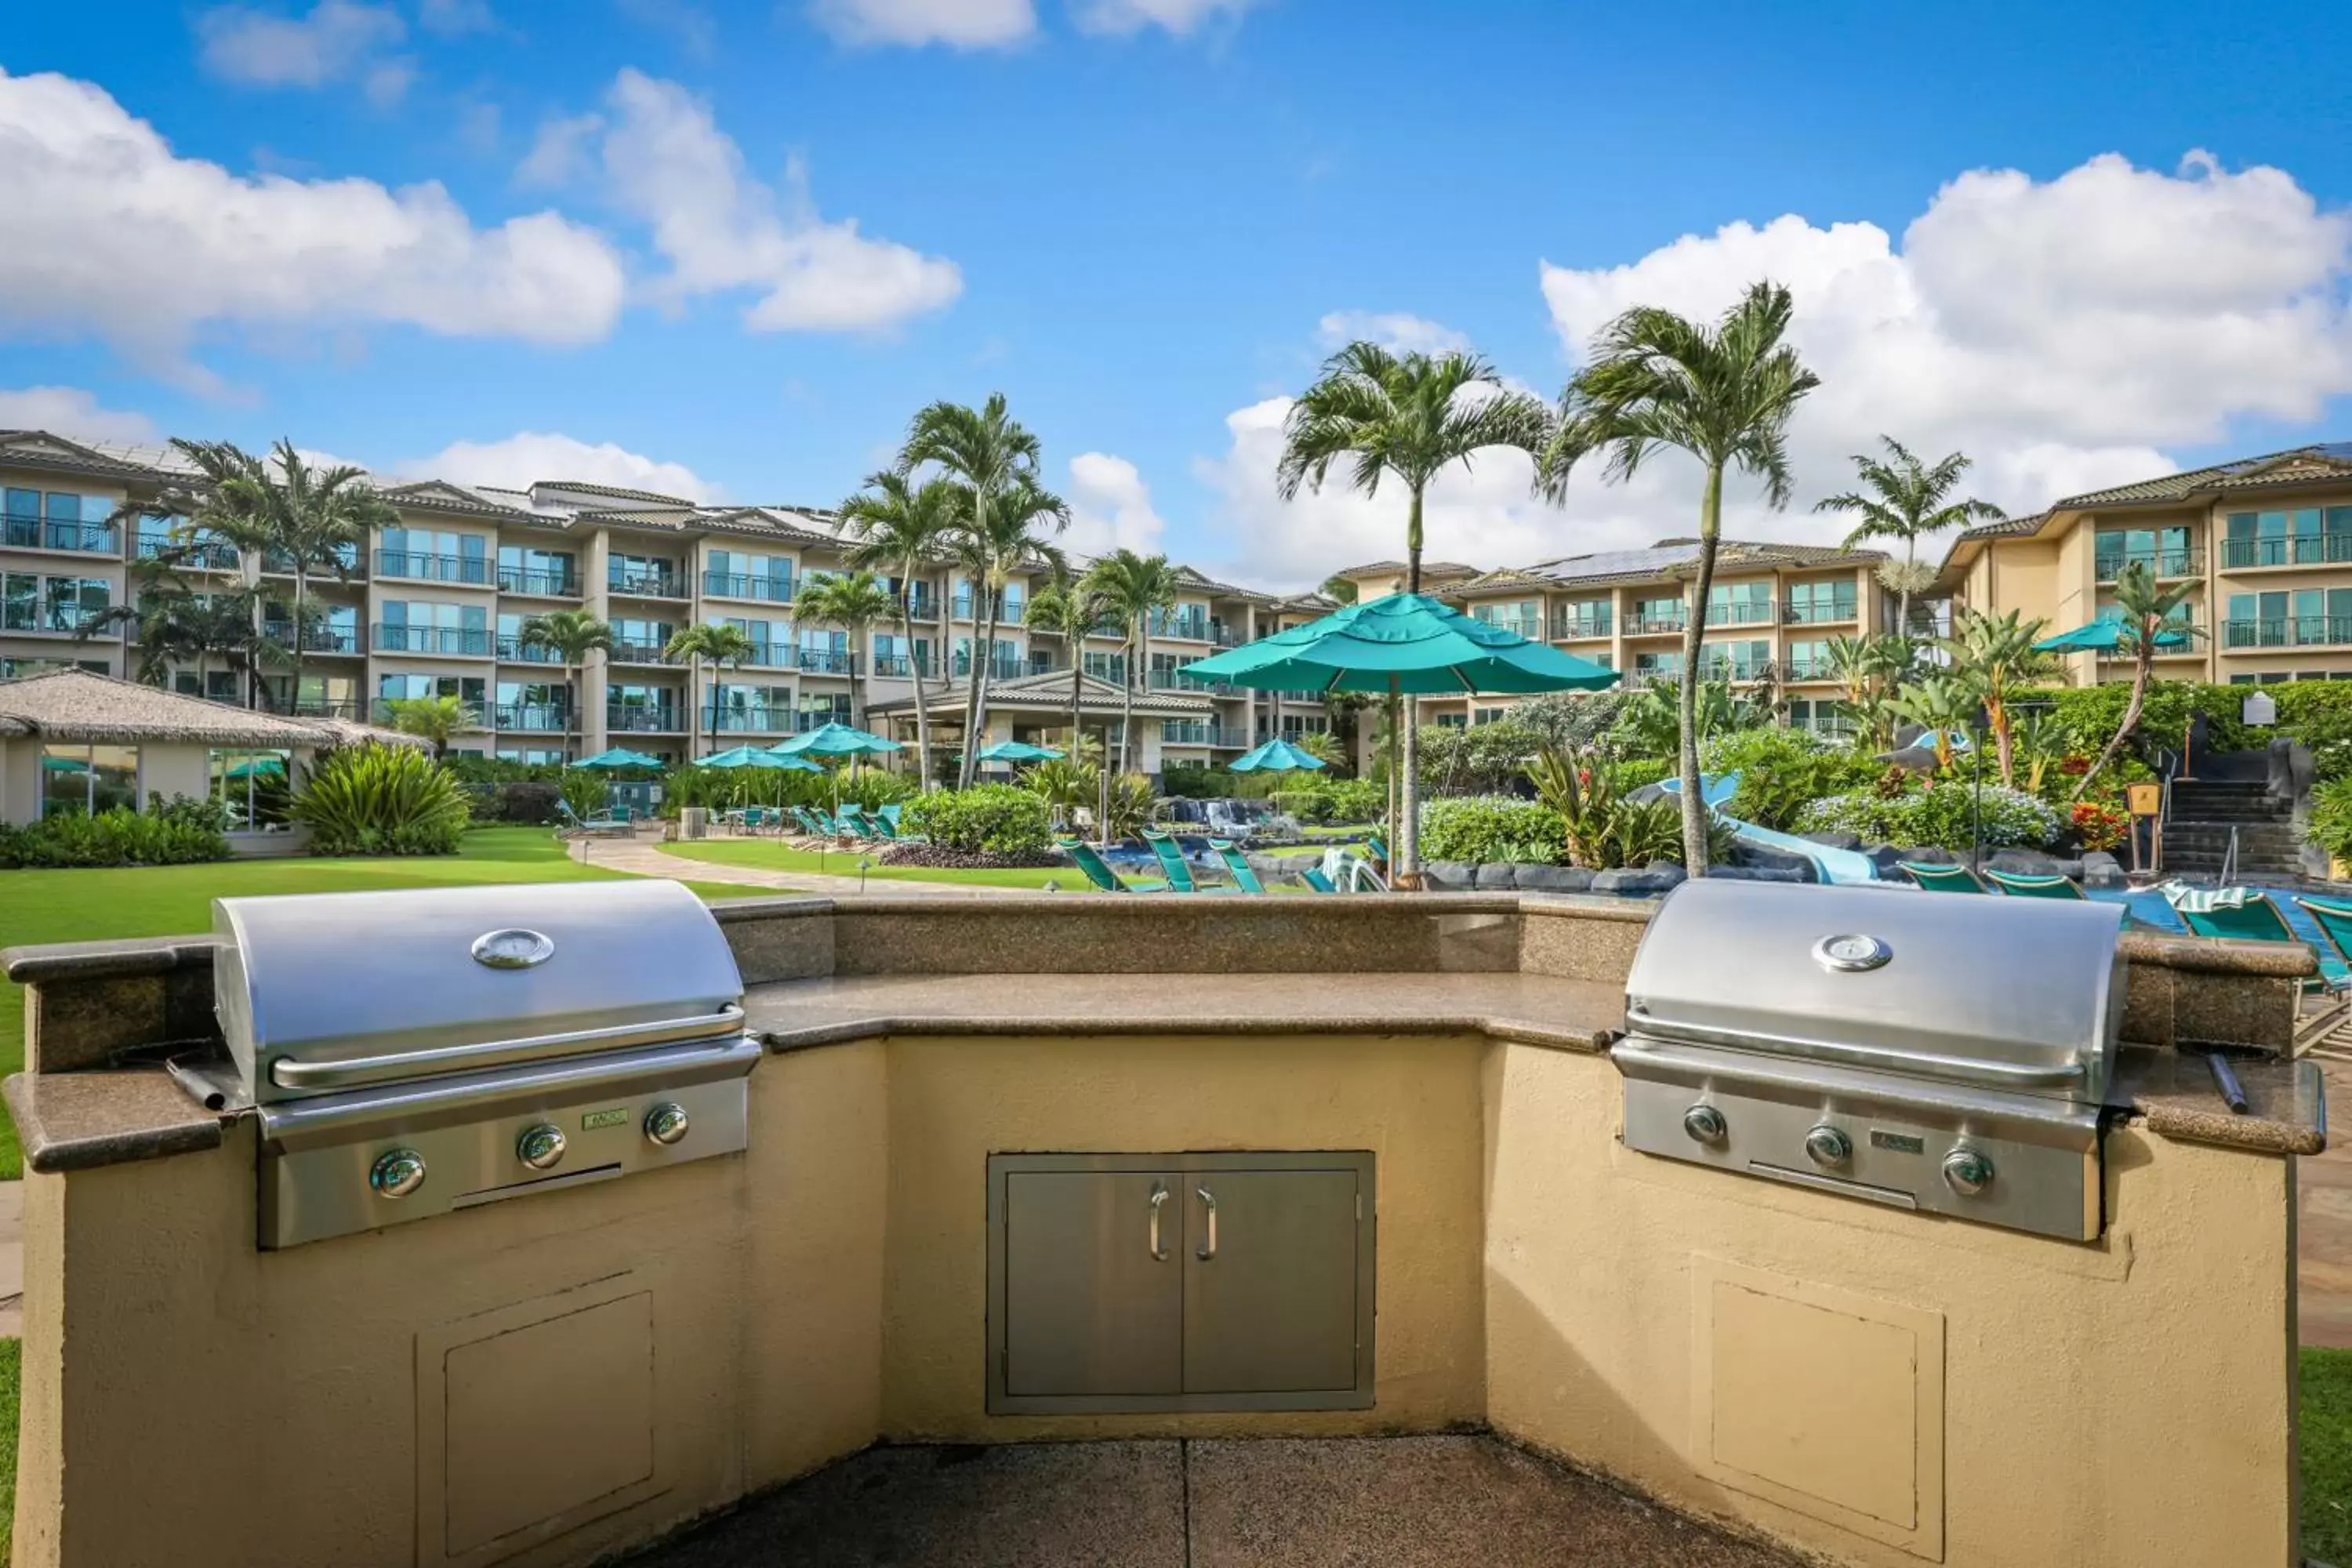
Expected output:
(1009, 612)
(1231, 737)
(81, 538)
(329, 708)
(1733, 669)
(826, 661)
(751, 721)
(745, 585)
(380, 711)
(1809, 669)
(1224, 636)
(923, 607)
(454, 642)
(2303, 549)
(1743, 613)
(515, 650)
(538, 584)
(1006, 669)
(771, 656)
(1574, 628)
(624, 651)
(1814, 613)
(199, 556)
(541, 718)
(1528, 627)
(1655, 625)
(634, 720)
(1180, 628)
(408, 563)
(904, 667)
(1178, 681)
(644, 584)
(346, 556)
(2163, 563)
(2286, 631)
(1176, 732)
(318, 639)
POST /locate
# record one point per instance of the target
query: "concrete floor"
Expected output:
(2324, 1220)
(1395, 1502)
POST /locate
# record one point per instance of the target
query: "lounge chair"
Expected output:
(1943, 879)
(1083, 856)
(1376, 850)
(2256, 919)
(1244, 876)
(2018, 886)
(885, 828)
(851, 819)
(2335, 920)
(607, 825)
(1172, 861)
(1314, 878)
(807, 819)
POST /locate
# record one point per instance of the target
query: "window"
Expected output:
(1830, 599)
(1658, 614)
(533, 705)
(638, 641)
(81, 781)
(525, 571)
(470, 689)
(1809, 661)
(2305, 536)
(416, 625)
(818, 709)
(654, 575)
(894, 655)
(739, 707)
(70, 602)
(1657, 666)
(1583, 618)
(1452, 720)
(1523, 617)
(251, 787)
(1105, 666)
(2163, 551)
(1488, 715)
(825, 651)
(1735, 660)
(58, 519)
(1741, 604)
(738, 574)
(220, 685)
(436, 556)
(532, 757)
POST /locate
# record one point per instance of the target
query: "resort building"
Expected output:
(2265, 544)
(1772, 612)
(438, 605)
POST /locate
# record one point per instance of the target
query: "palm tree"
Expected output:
(2144, 613)
(1070, 608)
(993, 459)
(1994, 655)
(1723, 394)
(1906, 580)
(571, 635)
(314, 519)
(904, 527)
(1866, 668)
(1338, 590)
(722, 643)
(1408, 417)
(854, 600)
(436, 718)
(1904, 499)
(1943, 702)
(1134, 588)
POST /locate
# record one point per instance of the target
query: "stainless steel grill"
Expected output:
(413, 1053)
(1925, 1051)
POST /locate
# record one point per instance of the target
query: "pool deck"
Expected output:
(1399, 1502)
(2324, 1215)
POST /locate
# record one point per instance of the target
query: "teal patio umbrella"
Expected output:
(1402, 645)
(754, 757)
(1276, 756)
(618, 757)
(2101, 635)
(256, 767)
(1017, 752)
(838, 742)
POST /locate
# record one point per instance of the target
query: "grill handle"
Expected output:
(353, 1072)
(1969, 1069)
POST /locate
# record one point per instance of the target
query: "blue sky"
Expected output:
(1146, 220)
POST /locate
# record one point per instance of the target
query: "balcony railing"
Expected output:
(642, 720)
(903, 667)
(1176, 732)
(1179, 680)
(1224, 636)
(318, 639)
(515, 650)
(204, 555)
(1010, 612)
(538, 584)
(1565, 627)
(430, 568)
(923, 607)
(345, 555)
(769, 656)
(381, 712)
(2303, 549)
(828, 661)
(1733, 669)
(1230, 735)
(1650, 625)
(2163, 563)
(753, 720)
(745, 585)
(40, 533)
(1817, 611)
(541, 717)
(1528, 627)
(2287, 631)
(1741, 613)
(455, 641)
(327, 708)
(1184, 629)
(1810, 669)
(624, 651)
(645, 584)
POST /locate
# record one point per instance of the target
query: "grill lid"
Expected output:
(2016, 994)
(310, 981)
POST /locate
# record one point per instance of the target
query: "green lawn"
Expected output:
(169, 901)
(772, 855)
(2327, 1456)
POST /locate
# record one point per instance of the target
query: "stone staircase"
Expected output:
(2197, 838)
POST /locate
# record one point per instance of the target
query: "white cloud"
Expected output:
(720, 230)
(2062, 332)
(338, 39)
(73, 413)
(110, 232)
(690, 27)
(531, 455)
(453, 17)
(958, 24)
(560, 152)
(1179, 17)
(1110, 507)
(1395, 330)
(1482, 514)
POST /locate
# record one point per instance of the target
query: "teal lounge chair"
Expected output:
(2024, 886)
(852, 821)
(885, 828)
(808, 822)
(1314, 878)
(1082, 854)
(2258, 919)
(2335, 920)
(1943, 879)
(1378, 851)
(608, 824)
(1172, 861)
(1245, 876)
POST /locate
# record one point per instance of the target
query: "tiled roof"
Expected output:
(1669, 558)
(2321, 461)
(76, 705)
(2003, 528)
(42, 449)
(1051, 691)
(1428, 569)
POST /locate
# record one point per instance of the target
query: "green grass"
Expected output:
(770, 854)
(170, 901)
(2327, 1456)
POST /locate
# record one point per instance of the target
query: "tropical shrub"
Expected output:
(586, 792)
(1572, 720)
(2086, 716)
(1475, 759)
(1942, 814)
(1312, 797)
(379, 800)
(2319, 714)
(2098, 827)
(1195, 780)
(1479, 828)
(1633, 772)
(986, 819)
(179, 832)
(2330, 827)
(1130, 800)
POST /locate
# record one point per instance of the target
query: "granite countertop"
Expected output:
(75, 1120)
(2174, 1092)
(1572, 1014)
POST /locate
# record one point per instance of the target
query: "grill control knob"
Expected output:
(541, 1147)
(1827, 1146)
(666, 1123)
(1966, 1172)
(1705, 1124)
(398, 1173)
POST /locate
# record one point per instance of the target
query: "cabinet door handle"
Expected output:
(1158, 1196)
(1209, 1248)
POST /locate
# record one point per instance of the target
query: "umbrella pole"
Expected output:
(1396, 783)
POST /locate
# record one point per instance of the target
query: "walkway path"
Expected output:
(644, 857)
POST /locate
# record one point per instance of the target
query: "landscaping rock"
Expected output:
(1449, 876)
(1760, 874)
(2101, 869)
(1789, 865)
(1888, 859)
(1659, 877)
(1835, 840)
(2033, 863)
(1930, 854)
(1553, 880)
(1495, 877)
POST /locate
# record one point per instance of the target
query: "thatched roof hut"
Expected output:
(78, 707)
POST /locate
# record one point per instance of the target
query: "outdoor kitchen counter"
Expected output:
(1534, 1009)
(2287, 1102)
(76, 1120)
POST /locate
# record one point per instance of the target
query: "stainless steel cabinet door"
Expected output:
(1090, 1308)
(1270, 1281)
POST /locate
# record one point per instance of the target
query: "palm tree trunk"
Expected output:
(1710, 526)
(1077, 692)
(1903, 594)
(1127, 708)
(301, 594)
(2143, 668)
(1404, 870)
(983, 664)
(915, 670)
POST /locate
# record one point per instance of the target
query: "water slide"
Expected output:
(1842, 867)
